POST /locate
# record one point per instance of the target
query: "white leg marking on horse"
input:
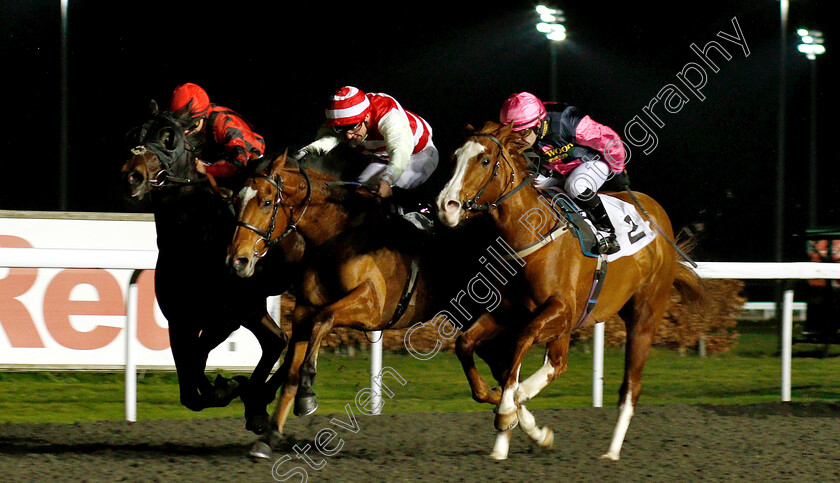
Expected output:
(625, 413)
(500, 448)
(533, 385)
(508, 404)
(543, 436)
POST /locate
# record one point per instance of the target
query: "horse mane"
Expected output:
(340, 163)
(513, 141)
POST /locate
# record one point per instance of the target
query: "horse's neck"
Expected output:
(323, 219)
(190, 217)
(523, 219)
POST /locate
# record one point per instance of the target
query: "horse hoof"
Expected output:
(260, 451)
(609, 456)
(548, 442)
(506, 422)
(498, 456)
(258, 424)
(306, 405)
(224, 391)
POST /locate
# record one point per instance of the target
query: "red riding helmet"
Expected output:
(524, 110)
(189, 101)
(347, 106)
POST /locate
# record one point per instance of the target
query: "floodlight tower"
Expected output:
(551, 25)
(812, 45)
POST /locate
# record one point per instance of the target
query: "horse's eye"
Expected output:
(485, 161)
(267, 203)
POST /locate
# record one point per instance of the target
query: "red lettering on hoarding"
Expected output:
(149, 333)
(14, 317)
(58, 308)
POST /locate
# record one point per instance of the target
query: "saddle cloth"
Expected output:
(631, 231)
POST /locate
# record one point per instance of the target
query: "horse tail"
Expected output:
(690, 286)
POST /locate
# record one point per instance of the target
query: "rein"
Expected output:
(277, 182)
(472, 203)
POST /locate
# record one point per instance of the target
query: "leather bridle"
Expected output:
(472, 203)
(276, 181)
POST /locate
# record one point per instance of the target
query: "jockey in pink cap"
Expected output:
(399, 141)
(570, 145)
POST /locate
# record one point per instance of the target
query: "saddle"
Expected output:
(566, 209)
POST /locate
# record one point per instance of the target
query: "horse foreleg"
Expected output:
(555, 364)
(258, 393)
(360, 305)
(542, 436)
(485, 328)
(301, 332)
(506, 412)
(190, 355)
(501, 445)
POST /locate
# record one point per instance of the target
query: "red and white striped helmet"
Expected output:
(524, 109)
(348, 106)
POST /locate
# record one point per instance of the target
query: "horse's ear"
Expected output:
(513, 139)
(517, 143)
(469, 130)
(280, 161)
(153, 106)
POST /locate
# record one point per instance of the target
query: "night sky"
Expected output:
(715, 162)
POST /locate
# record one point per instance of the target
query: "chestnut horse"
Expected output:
(492, 176)
(202, 301)
(357, 272)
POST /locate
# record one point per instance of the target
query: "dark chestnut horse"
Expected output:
(357, 270)
(491, 176)
(199, 296)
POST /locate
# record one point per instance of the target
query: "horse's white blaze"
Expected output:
(451, 214)
(502, 445)
(625, 413)
(533, 385)
(245, 195)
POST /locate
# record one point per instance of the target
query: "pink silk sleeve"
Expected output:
(602, 139)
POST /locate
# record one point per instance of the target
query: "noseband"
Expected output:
(265, 235)
(180, 152)
(472, 203)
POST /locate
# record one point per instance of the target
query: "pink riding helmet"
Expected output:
(523, 109)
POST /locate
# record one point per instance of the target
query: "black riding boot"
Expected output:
(598, 216)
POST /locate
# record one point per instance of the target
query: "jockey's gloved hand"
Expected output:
(300, 154)
(621, 180)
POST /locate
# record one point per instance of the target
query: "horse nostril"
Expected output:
(453, 205)
(135, 178)
(240, 263)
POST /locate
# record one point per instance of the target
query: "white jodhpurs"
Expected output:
(590, 175)
(420, 167)
(587, 178)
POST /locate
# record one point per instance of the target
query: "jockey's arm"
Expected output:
(325, 141)
(231, 133)
(602, 139)
(399, 143)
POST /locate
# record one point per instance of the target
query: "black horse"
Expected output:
(200, 298)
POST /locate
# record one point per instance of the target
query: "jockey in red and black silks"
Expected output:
(228, 141)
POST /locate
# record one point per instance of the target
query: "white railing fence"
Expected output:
(738, 271)
(139, 260)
